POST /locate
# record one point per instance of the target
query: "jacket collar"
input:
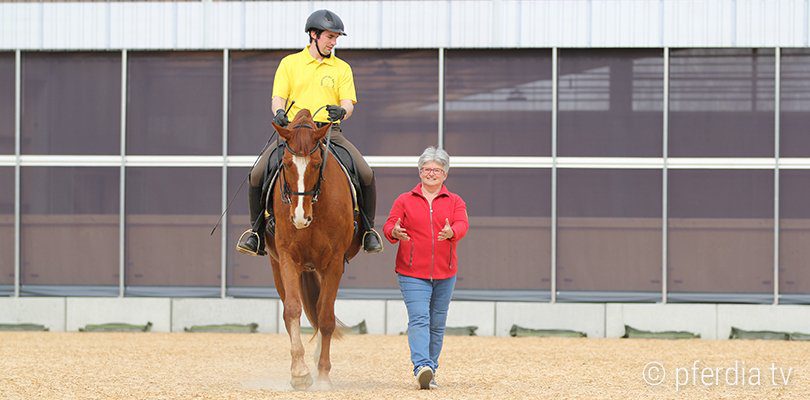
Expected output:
(417, 190)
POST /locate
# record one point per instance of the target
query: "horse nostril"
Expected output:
(309, 220)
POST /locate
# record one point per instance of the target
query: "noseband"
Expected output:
(316, 190)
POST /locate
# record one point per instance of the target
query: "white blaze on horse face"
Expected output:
(299, 220)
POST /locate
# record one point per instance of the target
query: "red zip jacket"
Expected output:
(424, 256)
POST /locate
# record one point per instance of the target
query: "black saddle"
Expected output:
(274, 166)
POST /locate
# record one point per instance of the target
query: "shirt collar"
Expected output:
(310, 59)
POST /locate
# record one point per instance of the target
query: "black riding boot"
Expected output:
(252, 241)
(371, 239)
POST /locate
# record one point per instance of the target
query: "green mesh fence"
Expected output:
(116, 327)
(225, 328)
(633, 333)
(359, 329)
(461, 330)
(737, 333)
(22, 327)
(455, 331)
(519, 331)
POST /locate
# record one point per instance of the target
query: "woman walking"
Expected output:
(428, 222)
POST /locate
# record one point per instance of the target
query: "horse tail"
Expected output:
(310, 291)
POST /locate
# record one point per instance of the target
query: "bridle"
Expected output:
(286, 192)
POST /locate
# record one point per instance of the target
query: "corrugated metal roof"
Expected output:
(407, 24)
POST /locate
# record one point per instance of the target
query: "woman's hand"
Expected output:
(447, 231)
(399, 232)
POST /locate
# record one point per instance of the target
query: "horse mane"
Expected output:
(299, 141)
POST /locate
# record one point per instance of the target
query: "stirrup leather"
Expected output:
(244, 250)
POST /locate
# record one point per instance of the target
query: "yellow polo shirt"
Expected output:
(313, 84)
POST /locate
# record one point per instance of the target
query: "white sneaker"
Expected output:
(433, 384)
(424, 376)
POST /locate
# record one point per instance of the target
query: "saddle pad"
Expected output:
(340, 153)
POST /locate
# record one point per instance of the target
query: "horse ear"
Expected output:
(282, 131)
(321, 132)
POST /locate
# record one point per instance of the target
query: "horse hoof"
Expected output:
(301, 382)
(323, 384)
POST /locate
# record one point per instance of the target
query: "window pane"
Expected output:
(70, 225)
(244, 271)
(170, 212)
(516, 234)
(7, 103)
(377, 270)
(794, 107)
(174, 103)
(251, 86)
(493, 92)
(721, 103)
(720, 231)
(6, 229)
(609, 230)
(71, 103)
(794, 231)
(397, 111)
(611, 103)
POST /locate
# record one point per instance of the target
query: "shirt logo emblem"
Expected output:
(328, 81)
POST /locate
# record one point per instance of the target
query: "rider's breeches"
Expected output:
(257, 173)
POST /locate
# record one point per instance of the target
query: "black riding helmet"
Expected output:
(324, 20)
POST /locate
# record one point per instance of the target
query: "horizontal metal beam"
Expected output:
(411, 161)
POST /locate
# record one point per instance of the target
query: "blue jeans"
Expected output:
(427, 304)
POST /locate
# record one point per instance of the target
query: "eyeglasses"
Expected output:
(428, 171)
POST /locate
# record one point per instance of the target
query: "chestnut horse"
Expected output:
(314, 235)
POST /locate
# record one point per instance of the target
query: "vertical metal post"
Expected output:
(441, 97)
(122, 180)
(224, 227)
(17, 197)
(665, 182)
(554, 110)
(776, 131)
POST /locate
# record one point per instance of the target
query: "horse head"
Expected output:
(301, 172)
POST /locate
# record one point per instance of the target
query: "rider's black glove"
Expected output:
(280, 118)
(336, 113)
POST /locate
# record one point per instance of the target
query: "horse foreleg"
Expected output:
(300, 377)
(326, 317)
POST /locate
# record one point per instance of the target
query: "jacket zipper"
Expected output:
(432, 243)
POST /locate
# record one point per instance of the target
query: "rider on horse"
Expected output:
(311, 78)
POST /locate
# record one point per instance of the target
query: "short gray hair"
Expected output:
(439, 156)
